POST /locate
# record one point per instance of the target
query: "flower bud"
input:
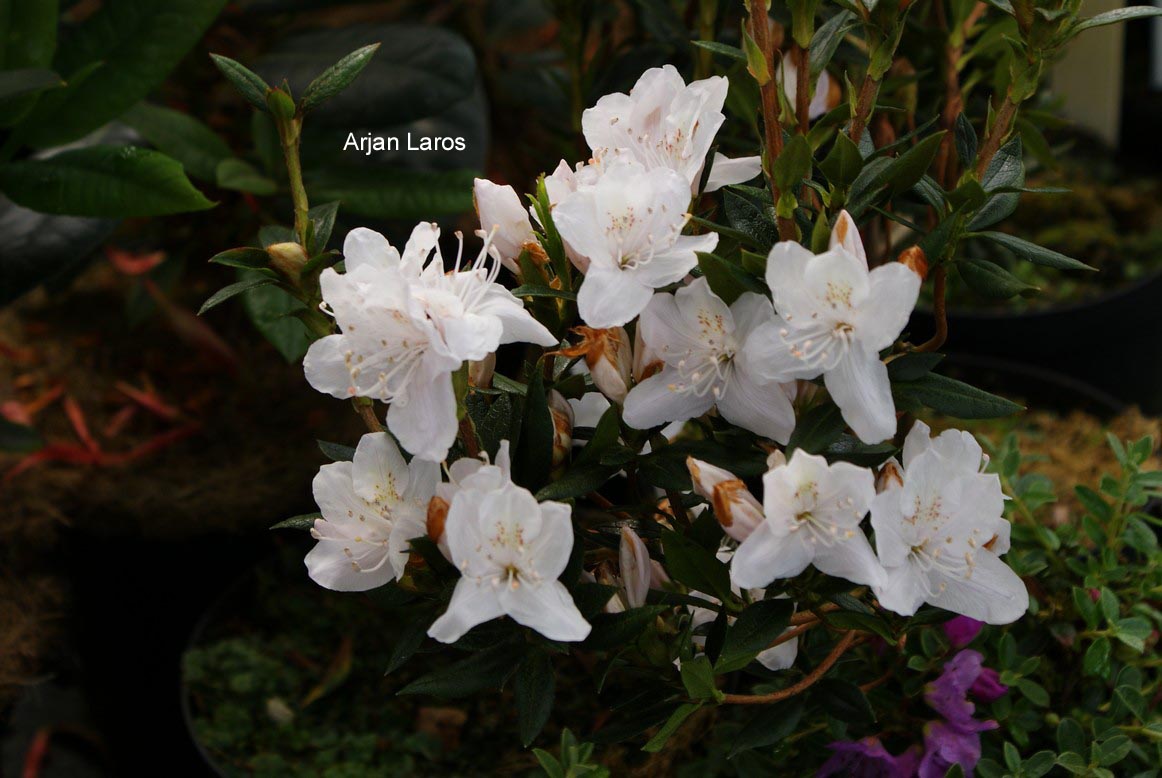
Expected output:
(776, 459)
(915, 260)
(891, 475)
(437, 517)
(288, 259)
(646, 361)
(636, 573)
(735, 507)
(480, 372)
(562, 414)
(609, 357)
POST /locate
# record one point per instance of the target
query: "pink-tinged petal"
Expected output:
(471, 604)
(546, 608)
(364, 247)
(860, 387)
(764, 557)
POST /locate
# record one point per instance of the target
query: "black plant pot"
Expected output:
(1113, 342)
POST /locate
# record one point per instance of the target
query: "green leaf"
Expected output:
(756, 627)
(241, 176)
(677, 718)
(773, 724)
(273, 312)
(1038, 255)
(696, 567)
(336, 452)
(233, 290)
(616, 630)
(323, 219)
(1116, 16)
(794, 164)
(698, 678)
(1133, 632)
(955, 398)
(1034, 692)
(180, 136)
(844, 701)
(409, 638)
(533, 454)
(535, 690)
(989, 279)
(337, 78)
(817, 429)
(28, 35)
(1070, 736)
(732, 52)
(245, 257)
(913, 366)
(395, 194)
(248, 83)
(577, 481)
(539, 290)
(1134, 701)
(966, 140)
(1097, 658)
(302, 522)
(113, 181)
(843, 163)
(26, 81)
(726, 279)
(1114, 750)
(18, 438)
(867, 622)
(1073, 762)
(751, 223)
(137, 43)
(906, 170)
(481, 671)
(605, 436)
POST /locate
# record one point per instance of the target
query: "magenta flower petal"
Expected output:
(962, 630)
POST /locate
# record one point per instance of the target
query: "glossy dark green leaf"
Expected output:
(615, 630)
(990, 280)
(955, 398)
(1038, 255)
(771, 725)
(726, 279)
(673, 723)
(244, 257)
(180, 136)
(695, 566)
(248, 83)
(483, 670)
(336, 452)
(752, 222)
(233, 290)
(272, 311)
(906, 170)
(241, 176)
(28, 36)
(843, 163)
(966, 141)
(817, 429)
(323, 218)
(754, 630)
(303, 522)
(698, 678)
(535, 691)
(336, 78)
(110, 181)
(843, 700)
(395, 194)
(731, 52)
(533, 454)
(911, 367)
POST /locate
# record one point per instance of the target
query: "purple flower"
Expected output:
(987, 686)
(867, 758)
(948, 694)
(946, 744)
(962, 630)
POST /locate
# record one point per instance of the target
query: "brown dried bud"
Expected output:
(562, 414)
(734, 506)
(608, 355)
(891, 475)
(915, 260)
(437, 516)
(480, 372)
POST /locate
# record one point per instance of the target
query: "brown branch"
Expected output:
(791, 634)
(803, 88)
(813, 615)
(468, 436)
(863, 107)
(760, 30)
(808, 681)
(998, 134)
(366, 411)
(867, 687)
(939, 311)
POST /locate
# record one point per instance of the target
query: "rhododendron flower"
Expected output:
(665, 123)
(504, 218)
(406, 325)
(635, 565)
(948, 694)
(629, 226)
(946, 744)
(960, 630)
(707, 348)
(372, 507)
(956, 740)
(836, 316)
(867, 758)
(509, 549)
(812, 512)
(940, 535)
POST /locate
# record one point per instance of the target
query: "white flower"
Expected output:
(509, 549)
(836, 318)
(608, 359)
(941, 533)
(629, 226)
(812, 515)
(706, 349)
(371, 506)
(788, 76)
(635, 566)
(665, 123)
(406, 325)
(504, 218)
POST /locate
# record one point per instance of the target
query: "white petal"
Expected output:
(634, 564)
(500, 209)
(886, 520)
(892, 293)
(546, 608)
(780, 657)
(518, 324)
(917, 442)
(367, 247)
(425, 237)
(658, 400)
(471, 604)
(408, 523)
(554, 544)
(325, 367)
(671, 265)
(379, 473)
(463, 534)
(903, 590)
(347, 566)
(732, 171)
(845, 235)
(859, 385)
(472, 337)
(750, 311)
(765, 354)
(426, 425)
(335, 495)
(764, 557)
(423, 477)
(609, 298)
(851, 558)
(785, 273)
(994, 594)
(759, 406)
